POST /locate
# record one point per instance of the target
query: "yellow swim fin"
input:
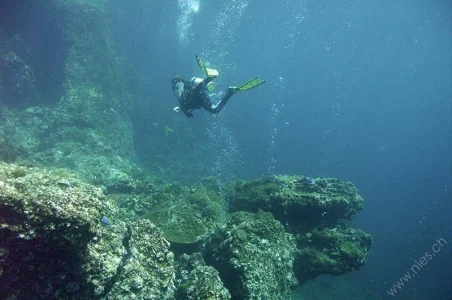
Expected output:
(209, 72)
(250, 84)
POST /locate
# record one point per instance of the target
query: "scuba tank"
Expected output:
(196, 80)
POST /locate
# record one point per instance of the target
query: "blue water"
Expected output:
(359, 90)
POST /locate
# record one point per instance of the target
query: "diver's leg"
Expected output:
(221, 99)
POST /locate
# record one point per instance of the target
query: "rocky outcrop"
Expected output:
(53, 244)
(336, 250)
(255, 256)
(301, 202)
(89, 130)
(310, 209)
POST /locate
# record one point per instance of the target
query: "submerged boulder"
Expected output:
(334, 251)
(197, 281)
(254, 256)
(53, 244)
(298, 201)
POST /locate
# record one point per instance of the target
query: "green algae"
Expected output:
(335, 250)
(186, 214)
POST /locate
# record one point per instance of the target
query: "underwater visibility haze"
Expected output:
(330, 180)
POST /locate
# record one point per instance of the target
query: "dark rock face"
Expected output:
(31, 53)
(17, 81)
(254, 256)
(53, 244)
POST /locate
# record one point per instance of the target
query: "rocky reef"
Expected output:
(310, 209)
(53, 244)
(80, 220)
(61, 237)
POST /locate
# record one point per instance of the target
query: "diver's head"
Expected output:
(178, 85)
(176, 79)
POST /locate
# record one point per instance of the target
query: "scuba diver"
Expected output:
(198, 92)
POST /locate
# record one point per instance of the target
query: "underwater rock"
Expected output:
(335, 251)
(297, 201)
(148, 270)
(17, 77)
(17, 81)
(8, 151)
(53, 243)
(254, 256)
(185, 214)
(89, 129)
(196, 281)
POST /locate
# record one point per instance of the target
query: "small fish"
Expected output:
(105, 221)
(167, 129)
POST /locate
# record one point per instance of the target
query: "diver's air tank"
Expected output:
(196, 80)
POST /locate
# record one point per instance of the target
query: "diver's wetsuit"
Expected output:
(194, 98)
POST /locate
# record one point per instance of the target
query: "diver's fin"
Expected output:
(249, 85)
(212, 72)
(209, 72)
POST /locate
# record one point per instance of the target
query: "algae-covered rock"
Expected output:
(185, 214)
(335, 251)
(53, 244)
(254, 256)
(46, 221)
(197, 281)
(298, 201)
(148, 270)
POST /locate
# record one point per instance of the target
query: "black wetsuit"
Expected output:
(195, 98)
